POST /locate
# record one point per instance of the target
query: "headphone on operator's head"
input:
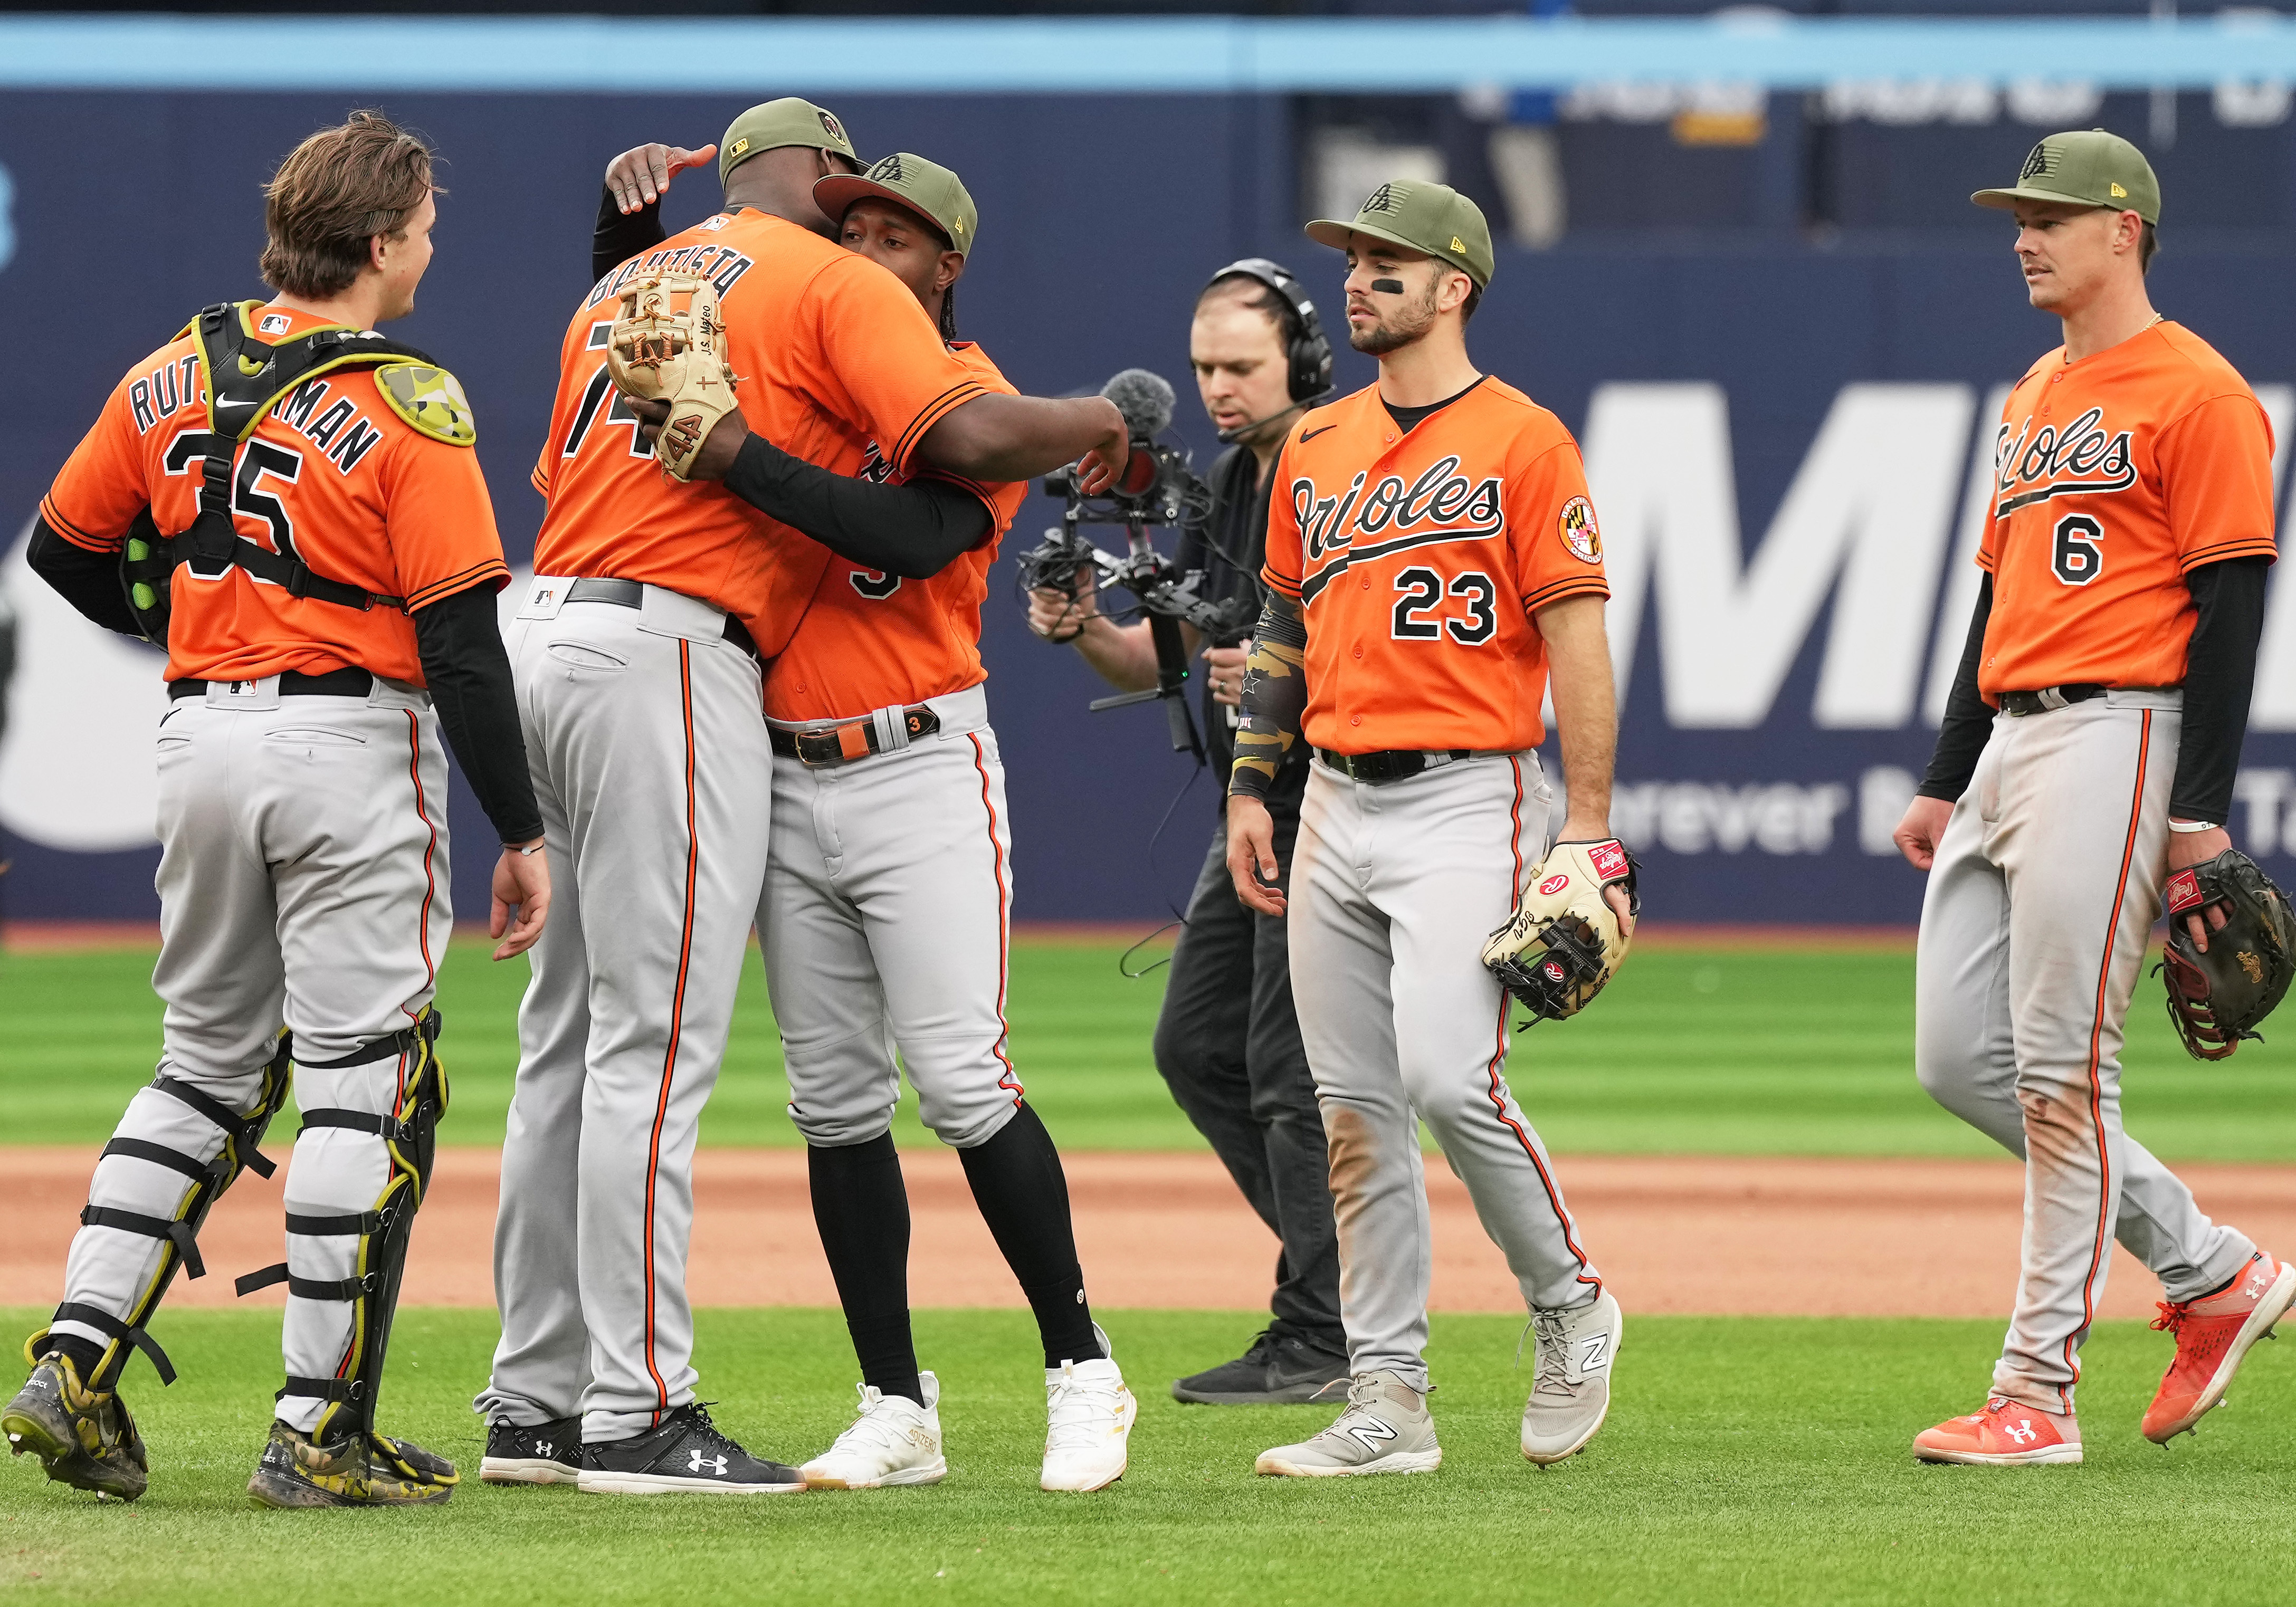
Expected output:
(1309, 352)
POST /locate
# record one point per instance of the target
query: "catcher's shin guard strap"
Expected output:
(245, 1132)
(330, 1390)
(389, 1046)
(157, 1155)
(122, 1334)
(309, 1289)
(176, 1231)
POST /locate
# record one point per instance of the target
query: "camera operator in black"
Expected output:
(1227, 1041)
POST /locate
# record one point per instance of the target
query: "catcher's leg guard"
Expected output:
(408, 1132)
(177, 1229)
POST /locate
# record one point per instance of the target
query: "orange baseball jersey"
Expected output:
(872, 640)
(332, 475)
(831, 352)
(2113, 478)
(1419, 560)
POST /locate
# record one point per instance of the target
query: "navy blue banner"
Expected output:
(1781, 441)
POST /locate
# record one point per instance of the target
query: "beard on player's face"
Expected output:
(1407, 320)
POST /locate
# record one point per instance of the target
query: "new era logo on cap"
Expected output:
(2119, 194)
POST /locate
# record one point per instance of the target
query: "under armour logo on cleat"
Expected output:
(542, 1448)
(2021, 1430)
(715, 1464)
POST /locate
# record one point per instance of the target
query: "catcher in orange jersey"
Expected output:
(886, 914)
(2087, 759)
(1432, 559)
(309, 536)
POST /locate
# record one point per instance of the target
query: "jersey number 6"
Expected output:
(1421, 589)
(2077, 553)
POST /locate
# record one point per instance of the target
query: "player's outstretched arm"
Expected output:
(629, 207)
(997, 438)
(1273, 699)
(1587, 723)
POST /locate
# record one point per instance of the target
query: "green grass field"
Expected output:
(1737, 1052)
(1746, 1461)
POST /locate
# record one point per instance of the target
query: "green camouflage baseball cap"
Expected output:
(788, 121)
(1433, 219)
(907, 180)
(2087, 168)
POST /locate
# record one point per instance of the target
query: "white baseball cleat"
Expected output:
(893, 1440)
(1386, 1429)
(1571, 1394)
(1088, 1422)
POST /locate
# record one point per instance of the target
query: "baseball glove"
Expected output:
(1564, 941)
(2217, 998)
(667, 345)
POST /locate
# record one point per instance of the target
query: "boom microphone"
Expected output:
(1144, 399)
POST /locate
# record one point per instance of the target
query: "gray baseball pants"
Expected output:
(1395, 886)
(302, 883)
(2034, 927)
(648, 751)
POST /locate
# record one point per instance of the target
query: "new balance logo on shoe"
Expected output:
(1597, 1357)
(715, 1464)
(2021, 1431)
(1371, 1433)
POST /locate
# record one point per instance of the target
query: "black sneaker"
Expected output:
(1279, 1370)
(548, 1453)
(685, 1453)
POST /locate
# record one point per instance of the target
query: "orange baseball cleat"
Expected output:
(2213, 1337)
(2004, 1434)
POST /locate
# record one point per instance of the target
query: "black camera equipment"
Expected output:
(1158, 488)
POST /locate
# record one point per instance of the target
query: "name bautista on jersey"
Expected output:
(721, 265)
(342, 433)
(1452, 506)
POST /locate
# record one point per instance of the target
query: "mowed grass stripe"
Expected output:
(1800, 1052)
(1752, 1461)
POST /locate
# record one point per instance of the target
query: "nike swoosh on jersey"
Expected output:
(1309, 435)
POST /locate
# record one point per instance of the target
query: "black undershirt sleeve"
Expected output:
(468, 673)
(88, 581)
(620, 237)
(1968, 719)
(913, 530)
(2220, 677)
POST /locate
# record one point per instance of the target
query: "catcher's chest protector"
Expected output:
(243, 378)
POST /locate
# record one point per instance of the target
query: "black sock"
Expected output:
(862, 1209)
(84, 1353)
(1023, 1196)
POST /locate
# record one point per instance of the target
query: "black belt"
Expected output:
(292, 683)
(827, 746)
(631, 593)
(2022, 703)
(1396, 764)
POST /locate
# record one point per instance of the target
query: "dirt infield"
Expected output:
(1729, 1235)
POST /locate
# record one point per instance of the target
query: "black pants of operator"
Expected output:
(1227, 1042)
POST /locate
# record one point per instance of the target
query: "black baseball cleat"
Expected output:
(548, 1453)
(83, 1437)
(355, 1470)
(685, 1454)
(1280, 1369)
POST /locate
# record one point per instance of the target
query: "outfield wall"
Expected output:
(1784, 441)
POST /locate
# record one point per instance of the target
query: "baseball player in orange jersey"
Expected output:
(328, 609)
(886, 914)
(638, 660)
(1432, 559)
(2087, 752)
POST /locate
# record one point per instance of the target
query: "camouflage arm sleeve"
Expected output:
(1274, 696)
